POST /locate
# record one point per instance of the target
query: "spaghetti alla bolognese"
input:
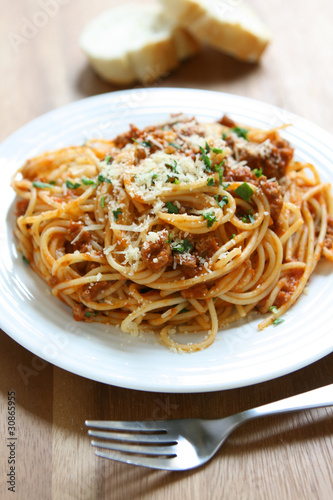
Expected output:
(179, 227)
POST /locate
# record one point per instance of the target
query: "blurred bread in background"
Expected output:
(227, 25)
(143, 42)
(134, 42)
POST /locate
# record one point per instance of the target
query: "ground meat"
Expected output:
(21, 207)
(53, 281)
(186, 259)
(157, 254)
(275, 165)
(240, 174)
(328, 242)
(272, 191)
(227, 122)
(83, 243)
(79, 312)
(289, 288)
(195, 292)
(205, 245)
(91, 291)
(127, 137)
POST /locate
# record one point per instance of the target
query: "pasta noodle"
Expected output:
(179, 227)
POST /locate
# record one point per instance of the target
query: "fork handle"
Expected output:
(311, 399)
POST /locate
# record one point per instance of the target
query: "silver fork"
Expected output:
(186, 443)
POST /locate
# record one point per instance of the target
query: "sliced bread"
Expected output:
(227, 25)
(135, 42)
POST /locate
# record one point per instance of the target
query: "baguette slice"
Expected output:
(135, 42)
(227, 25)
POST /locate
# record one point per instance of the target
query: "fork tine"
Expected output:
(152, 463)
(144, 426)
(161, 451)
(130, 437)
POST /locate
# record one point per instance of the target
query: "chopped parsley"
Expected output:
(217, 151)
(248, 217)
(232, 236)
(257, 172)
(154, 176)
(146, 144)
(103, 201)
(241, 132)
(207, 147)
(42, 185)
(25, 260)
(172, 209)
(108, 159)
(173, 167)
(101, 178)
(116, 213)
(87, 182)
(181, 247)
(278, 321)
(205, 159)
(169, 238)
(89, 314)
(210, 181)
(223, 201)
(224, 136)
(176, 181)
(210, 217)
(273, 309)
(174, 145)
(71, 185)
(244, 191)
(219, 169)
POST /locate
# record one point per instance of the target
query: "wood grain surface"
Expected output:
(285, 457)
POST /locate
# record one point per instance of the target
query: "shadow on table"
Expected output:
(208, 69)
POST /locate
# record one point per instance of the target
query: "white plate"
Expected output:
(241, 355)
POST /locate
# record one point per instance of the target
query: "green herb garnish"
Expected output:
(42, 185)
(173, 167)
(241, 132)
(108, 159)
(154, 176)
(219, 169)
(217, 151)
(207, 147)
(273, 309)
(176, 181)
(146, 144)
(87, 182)
(172, 209)
(224, 136)
(278, 321)
(181, 247)
(103, 201)
(116, 213)
(25, 260)
(248, 217)
(244, 191)
(89, 314)
(210, 217)
(174, 145)
(223, 201)
(71, 185)
(257, 172)
(210, 181)
(101, 178)
(232, 236)
(205, 159)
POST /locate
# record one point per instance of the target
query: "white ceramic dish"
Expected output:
(241, 355)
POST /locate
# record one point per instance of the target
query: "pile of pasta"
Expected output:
(176, 228)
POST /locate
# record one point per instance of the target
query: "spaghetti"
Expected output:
(181, 227)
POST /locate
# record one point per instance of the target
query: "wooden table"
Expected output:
(287, 457)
